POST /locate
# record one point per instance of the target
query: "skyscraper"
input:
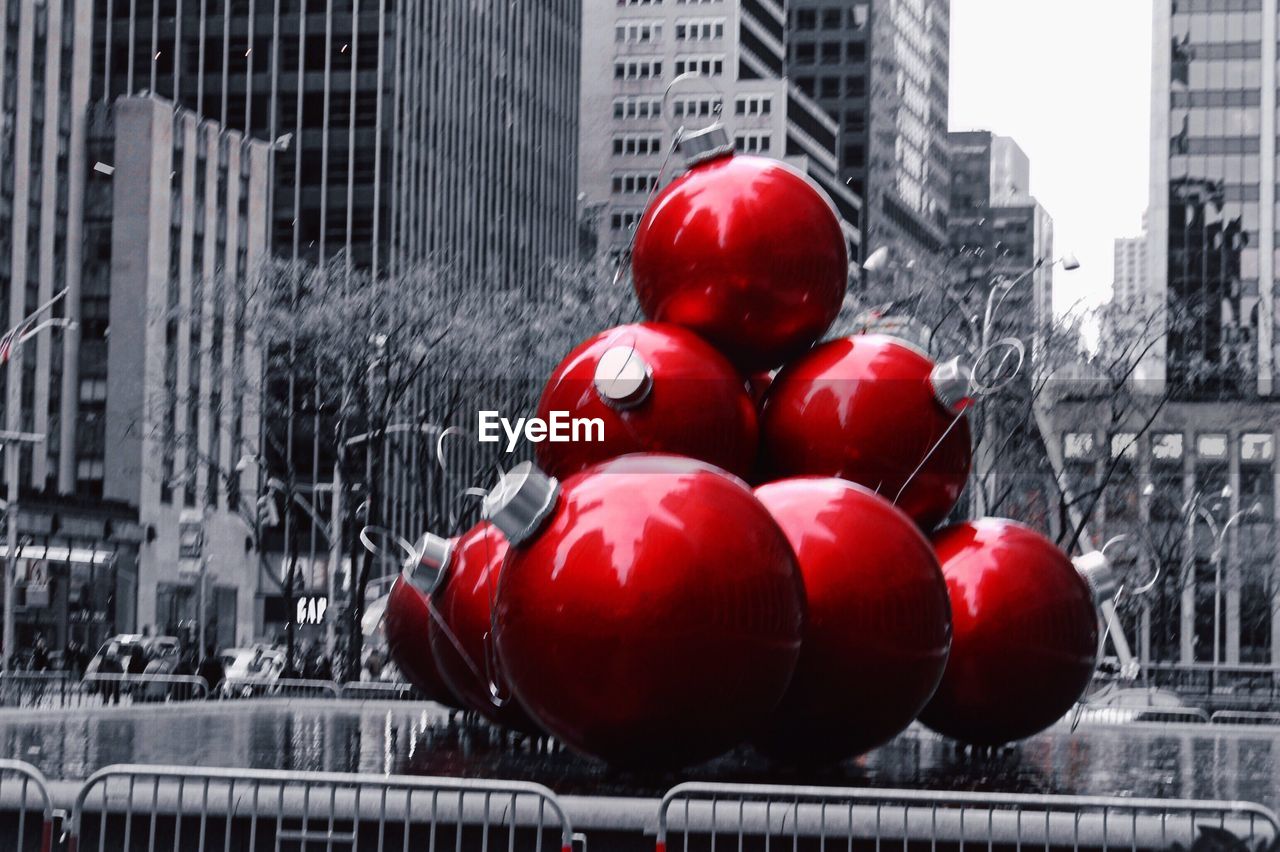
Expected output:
(1129, 283)
(632, 52)
(1212, 220)
(880, 69)
(999, 231)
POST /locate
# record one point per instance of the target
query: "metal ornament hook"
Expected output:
(1006, 348)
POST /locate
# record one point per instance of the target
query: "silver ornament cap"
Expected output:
(1098, 573)
(698, 146)
(952, 383)
(521, 501)
(623, 378)
(426, 568)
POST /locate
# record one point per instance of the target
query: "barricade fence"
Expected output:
(26, 809)
(136, 808)
(238, 688)
(726, 817)
(52, 690)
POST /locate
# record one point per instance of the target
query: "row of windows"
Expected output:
(646, 32)
(625, 221)
(637, 108)
(696, 107)
(1169, 447)
(705, 30)
(828, 52)
(753, 105)
(637, 32)
(707, 66)
(637, 70)
(853, 86)
(753, 143)
(637, 145)
(832, 19)
(629, 183)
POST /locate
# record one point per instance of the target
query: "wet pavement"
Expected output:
(1176, 761)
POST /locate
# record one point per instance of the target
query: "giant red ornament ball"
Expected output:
(462, 642)
(746, 252)
(879, 621)
(650, 610)
(408, 627)
(654, 388)
(1025, 634)
(865, 409)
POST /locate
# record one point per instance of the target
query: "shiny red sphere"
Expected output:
(1025, 634)
(655, 618)
(879, 621)
(408, 626)
(863, 408)
(694, 403)
(462, 641)
(746, 252)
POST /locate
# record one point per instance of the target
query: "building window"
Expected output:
(753, 105)
(700, 29)
(630, 183)
(637, 108)
(806, 19)
(639, 2)
(753, 143)
(696, 107)
(831, 53)
(1078, 445)
(625, 221)
(637, 70)
(832, 19)
(1124, 445)
(637, 32)
(642, 146)
(93, 390)
(1212, 446)
(707, 66)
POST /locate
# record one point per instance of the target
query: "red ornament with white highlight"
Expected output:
(652, 387)
(462, 641)
(743, 250)
(1025, 628)
(408, 626)
(877, 411)
(878, 628)
(650, 610)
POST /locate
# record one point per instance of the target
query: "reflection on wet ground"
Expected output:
(1180, 761)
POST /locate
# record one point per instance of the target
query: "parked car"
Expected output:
(251, 671)
(160, 655)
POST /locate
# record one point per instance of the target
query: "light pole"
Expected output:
(12, 345)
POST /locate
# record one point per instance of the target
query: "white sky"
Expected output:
(1070, 81)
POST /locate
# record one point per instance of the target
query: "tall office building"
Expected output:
(1129, 281)
(999, 231)
(881, 69)
(316, 76)
(634, 49)
(1212, 221)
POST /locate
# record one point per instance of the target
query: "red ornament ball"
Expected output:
(650, 611)
(1025, 634)
(878, 628)
(746, 252)
(462, 641)
(864, 409)
(408, 626)
(654, 388)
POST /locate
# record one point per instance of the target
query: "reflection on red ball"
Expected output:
(655, 388)
(408, 627)
(1026, 634)
(462, 642)
(863, 409)
(654, 619)
(879, 621)
(746, 252)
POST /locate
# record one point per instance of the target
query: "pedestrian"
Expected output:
(137, 660)
(39, 655)
(110, 670)
(211, 669)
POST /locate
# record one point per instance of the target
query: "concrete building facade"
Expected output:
(632, 51)
(880, 69)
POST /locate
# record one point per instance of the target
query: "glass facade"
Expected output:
(1215, 176)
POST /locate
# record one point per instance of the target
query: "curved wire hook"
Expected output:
(1013, 347)
(373, 548)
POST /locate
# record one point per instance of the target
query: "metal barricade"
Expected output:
(729, 816)
(249, 687)
(109, 689)
(38, 689)
(26, 810)
(130, 808)
(1245, 717)
(380, 691)
(1133, 715)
